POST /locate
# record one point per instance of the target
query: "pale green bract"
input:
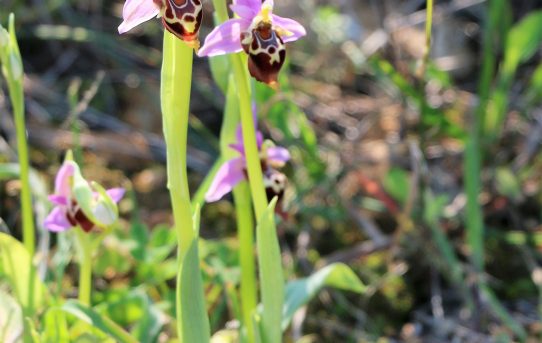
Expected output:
(300, 292)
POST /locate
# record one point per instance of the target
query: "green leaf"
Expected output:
(300, 292)
(16, 265)
(220, 69)
(55, 326)
(90, 316)
(136, 307)
(30, 333)
(193, 314)
(523, 41)
(271, 275)
(397, 183)
(508, 183)
(11, 318)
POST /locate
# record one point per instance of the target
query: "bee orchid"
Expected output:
(234, 171)
(180, 17)
(258, 32)
(80, 204)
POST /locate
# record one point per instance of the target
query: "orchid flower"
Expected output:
(180, 17)
(234, 171)
(260, 33)
(78, 203)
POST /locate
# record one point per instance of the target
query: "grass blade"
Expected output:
(271, 276)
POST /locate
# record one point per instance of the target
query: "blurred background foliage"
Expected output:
(376, 180)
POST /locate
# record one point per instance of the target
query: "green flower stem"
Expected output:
(245, 220)
(244, 216)
(428, 31)
(175, 98)
(245, 225)
(175, 95)
(13, 72)
(85, 266)
(254, 167)
(29, 238)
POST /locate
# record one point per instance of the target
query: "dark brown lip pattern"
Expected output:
(183, 19)
(266, 52)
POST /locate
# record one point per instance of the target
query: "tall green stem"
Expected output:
(473, 149)
(428, 29)
(245, 226)
(254, 167)
(240, 95)
(175, 97)
(26, 195)
(13, 72)
(85, 267)
(244, 216)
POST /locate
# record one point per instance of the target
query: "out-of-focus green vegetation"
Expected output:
(426, 183)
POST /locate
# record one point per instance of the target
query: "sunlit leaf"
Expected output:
(55, 326)
(523, 41)
(194, 313)
(16, 265)
(508, 183)
(271, 275)
(90, 316)
(300, 292)
(397, 183)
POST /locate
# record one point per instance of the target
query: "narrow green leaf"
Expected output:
(397, 183)
(55, 326)
(508, 183)
(149, 326)
(220, 69)
(300, 292)
(90, 316)
(257, 324)
(271, 275)
(502, 313)
(523, 41)
(195, 322)
(30, 333)
(16, 265)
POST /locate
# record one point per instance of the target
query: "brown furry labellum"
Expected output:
(183, 19)
(275, 185)
(266, 53)
(77, 217)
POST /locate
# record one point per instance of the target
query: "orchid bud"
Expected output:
(79, 203)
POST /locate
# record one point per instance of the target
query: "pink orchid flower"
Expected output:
(260, 33)
(180, 17)
(234, 171)
(68, 213)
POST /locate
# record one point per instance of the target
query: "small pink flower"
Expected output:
(234, 171)
(67, 212)
(260, 33)
(180, 17)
